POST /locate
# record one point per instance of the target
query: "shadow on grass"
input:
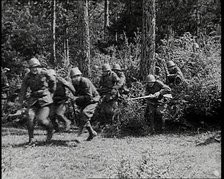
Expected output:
(56, 143)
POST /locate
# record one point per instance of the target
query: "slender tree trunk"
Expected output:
(106, 17)
(66, 44)
(84, 39)
(53, 55)
(147, 64)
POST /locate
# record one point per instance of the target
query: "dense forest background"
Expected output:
(187, 32)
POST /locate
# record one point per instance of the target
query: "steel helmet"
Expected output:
(75, 71)
(117, 67)
(34, 62)
(52, 72)
(150, 79)
(106, 67)
(170, 64)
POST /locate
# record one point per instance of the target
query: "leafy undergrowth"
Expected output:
(160, 156)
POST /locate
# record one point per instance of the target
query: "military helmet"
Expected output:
(75, 71)
(106, 67)
(150, 79)
(170, 64)
(117, 67)
(34, 62)
(52, 72)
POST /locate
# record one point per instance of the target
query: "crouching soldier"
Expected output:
(42, 85)
(60, 98)
(123, 90)
(174, 77)
(155, 107)
(86, 98)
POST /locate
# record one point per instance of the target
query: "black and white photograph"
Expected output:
(111, 89)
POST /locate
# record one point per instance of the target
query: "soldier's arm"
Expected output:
(67, 84)
(87, 92)
(51, 82)
(164, 88)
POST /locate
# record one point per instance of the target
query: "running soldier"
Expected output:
(60, 98)
(86, 98)
(155, 107)
(42, 85)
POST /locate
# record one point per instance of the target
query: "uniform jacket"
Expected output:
(158, 86)
(41, 85)
(60, 92)
(122, 80)
(86, 92)
(176, 72)
(109, 82)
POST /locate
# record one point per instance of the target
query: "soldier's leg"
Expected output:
(54, 118)
(60, 112)
(151, 117)
(30, 124)
(159, 117)
(43, 118)
(88, 112)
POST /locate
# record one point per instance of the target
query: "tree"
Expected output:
(147, 63)
(53, 55)
(84, 38)
(106, 17)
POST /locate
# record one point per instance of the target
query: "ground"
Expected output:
(166, 155)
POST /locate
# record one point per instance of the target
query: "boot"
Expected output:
(67, 125)
(49, 132)
(92, 133)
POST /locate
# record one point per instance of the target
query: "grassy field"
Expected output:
(167, 155)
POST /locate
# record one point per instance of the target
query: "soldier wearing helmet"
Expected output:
(155, 108)
(109, 80)
(86, 98)
(60, 97)
(42, 86)
(175, 76)
(122, 82)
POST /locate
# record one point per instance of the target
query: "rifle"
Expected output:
(151, 96)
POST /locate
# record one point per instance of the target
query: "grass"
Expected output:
(170, 156)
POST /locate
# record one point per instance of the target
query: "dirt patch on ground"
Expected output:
(170, 155)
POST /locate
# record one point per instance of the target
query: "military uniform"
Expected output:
(155, 107)
(42, 86)
(86, 98)
(60, 97)
(175, 76)
(109, 85)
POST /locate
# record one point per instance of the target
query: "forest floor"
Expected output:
(186, 155)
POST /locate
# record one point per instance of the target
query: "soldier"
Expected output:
(109, 83)
(122, 82)
(60, 99)
(42, 86)
(175, 76)
(86, 98)
(155, 108)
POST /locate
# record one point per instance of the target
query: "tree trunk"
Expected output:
(66, 44)
(53, 54)
(84, 38)
(147, 64)
(106, 17)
